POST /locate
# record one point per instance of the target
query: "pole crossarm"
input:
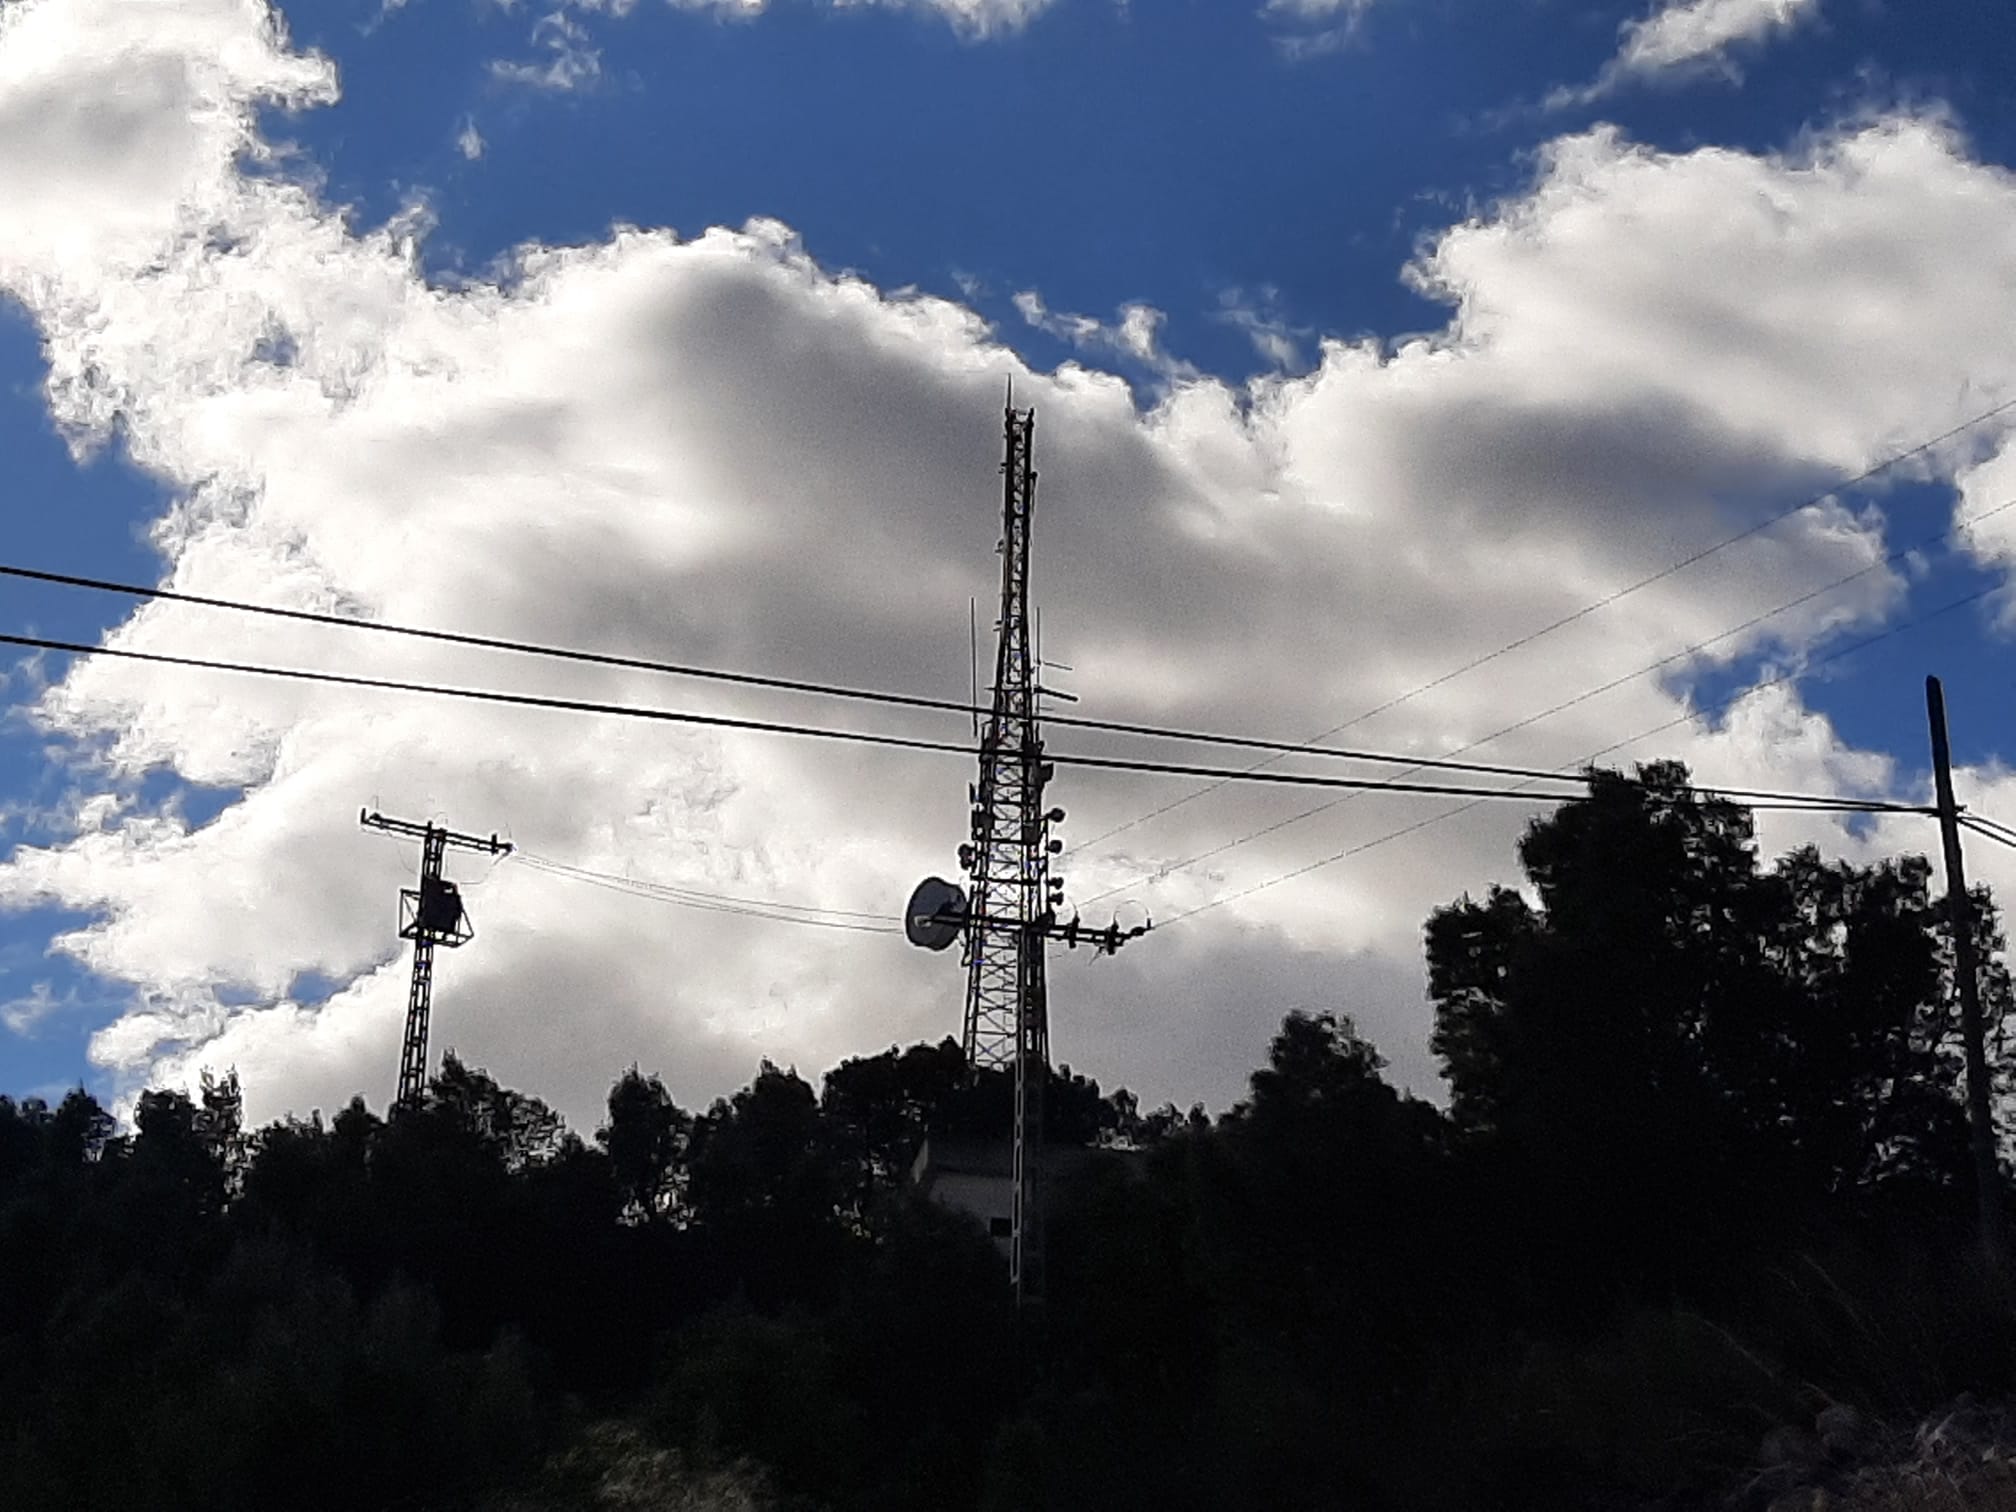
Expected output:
(372, 819)
(1070, 933)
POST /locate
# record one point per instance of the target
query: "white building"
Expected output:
(978, 1177)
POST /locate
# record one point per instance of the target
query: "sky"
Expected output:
(1515, 377)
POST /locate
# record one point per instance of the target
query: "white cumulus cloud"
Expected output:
(1693, 33)
(716, 450)
(1688, 38)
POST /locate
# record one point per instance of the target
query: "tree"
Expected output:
(645, 1138)
(520, 1131)
(1676, 1044)
(881, 1108)
(763, 1149)
(1473, 949)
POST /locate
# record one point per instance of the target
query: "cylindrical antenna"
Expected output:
(973, 636)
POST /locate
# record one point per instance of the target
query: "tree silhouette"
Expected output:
(645, 1139)
(1703, 1165)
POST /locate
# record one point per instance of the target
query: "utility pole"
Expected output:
(1967, 975)
(429, 915)
(1010, 914)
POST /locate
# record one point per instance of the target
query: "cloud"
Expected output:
(469, 141)
(23, 1015)
(1277, 343)
(1698, 33)
(1689, 38)
(1136, 336)
(973, 18)
(1328, 24)
(717, 450)
(571, 62)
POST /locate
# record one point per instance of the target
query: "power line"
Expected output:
(1896, 554)
(831, 690)
(971, 709)
(854, 920)
(681, 893)
(744, 679)
(1990, 829)
(1604, 602)
(748, 679)
(483, 695)
(773, 727)
(1837, 654)
(776, 913)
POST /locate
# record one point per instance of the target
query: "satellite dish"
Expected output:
(936, 914)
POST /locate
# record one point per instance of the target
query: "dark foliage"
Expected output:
(1703, 1169)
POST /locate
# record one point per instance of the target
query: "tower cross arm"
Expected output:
(1048, 926)
(490, 845)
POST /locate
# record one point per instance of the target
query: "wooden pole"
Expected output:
(1967, 978)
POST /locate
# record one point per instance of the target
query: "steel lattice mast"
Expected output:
(1007, 1019)
(429, 915)
(1009, 856)
(1008, 912)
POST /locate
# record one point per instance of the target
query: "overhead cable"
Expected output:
(772, 912)
(751, 679)
(773, 727)
(1610, 598)
(1413, 763)
(795, 685)
(1348, 852)
(1894, 460)
(1957, 529)
(1990, 829)
(682, 892)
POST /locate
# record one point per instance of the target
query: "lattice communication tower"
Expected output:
(1007, 914)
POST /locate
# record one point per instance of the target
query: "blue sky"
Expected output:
(1225, 167)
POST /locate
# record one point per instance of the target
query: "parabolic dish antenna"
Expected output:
(936, 914)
